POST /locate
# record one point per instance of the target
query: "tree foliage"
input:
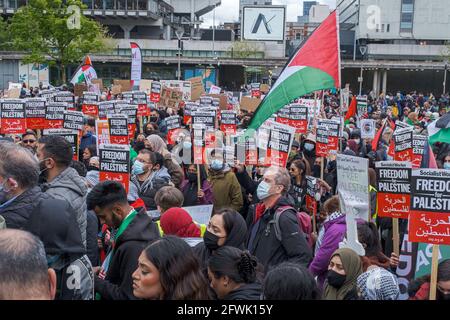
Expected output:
(4, 35)
(243, 49)
(56, 31)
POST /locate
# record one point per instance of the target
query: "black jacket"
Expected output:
(118, 284)
(18, 212)
(262, 241)
(249, 291)
(92, 230)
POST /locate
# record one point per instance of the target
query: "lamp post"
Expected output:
(445, 76)
(363, 50)
(179, 33)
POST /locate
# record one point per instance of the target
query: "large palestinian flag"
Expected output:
(85, 73)
(314, 66)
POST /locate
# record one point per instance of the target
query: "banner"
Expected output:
(12, 114)
(394, 192)
(368, 129)
(130, 110)
(155, 93)
(418, 146)
(403, 144)
(35, 113)
(67, 97)
(429, 221)
(115, 163)
(173, 124)
(136, 64)
(105, 108)
(311, 190)
(73, 120)
(54, 115)
(228, 121)
(70, 135)
(353, 185)
(298, 118)
(118, 129)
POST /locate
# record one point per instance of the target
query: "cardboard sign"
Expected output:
(197, 88)
(321, 141)
(403, 144)
(116, 89)
(78, 89)
(418, 144)
(98, 82)
(125, 85)
(115, 163)
(73, 120)
(353, 185)
(35, 113)
(145, 85)
(265, 88)
(368, 129)
(173, 123)
(70, 135)
(228, 121)
(206, 119)
(54, 115)
(12, 113)
(155, 93)
(311, 190)
(65, 96)
(394, 182)
(429, 220)
(118, 129)
(298, 118)
(249, 104)
(105, 108)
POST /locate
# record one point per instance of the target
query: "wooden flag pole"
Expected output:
(321, 168)
(198, 178)
(434, 270)
(396, 236)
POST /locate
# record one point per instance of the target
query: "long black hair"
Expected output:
(240, 266)
(179, 269)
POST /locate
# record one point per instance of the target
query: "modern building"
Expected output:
(243, 3)
(397, 43)
(307, 6)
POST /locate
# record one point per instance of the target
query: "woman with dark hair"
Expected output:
(290, 281)
(232, 274)
(419, 289)
(189, 187)
(168, 270)
(89, 152)
(225, 228)
(298, 171)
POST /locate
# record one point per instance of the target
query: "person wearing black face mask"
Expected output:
(419, 289)
(343, 271)
(189, 187)
(225, 228)
(155, 117)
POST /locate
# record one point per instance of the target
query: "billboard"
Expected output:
(263, 23)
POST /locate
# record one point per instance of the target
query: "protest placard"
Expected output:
(173, 124)
(35, 113)
(256, 90)
(368, 128)
(199, 144)
(90, 103)
(279, 144)
(70, 135)
(298, 118)
(310, 198)
(197, 88)
(124, 84)
(403, 144)
(102, 131)
(54, 115)
(418, 145)
(115, 163)
(155, 92)
(105, 108)
(47, 94)
(140, 99)
(118, 129)
(205, 118)
(249, 104)
(322, 141)
(361, 105)
(283, 115)
(228, 121)
(12, 114)
(333, 130)
(130, 110)
(394, 181)
(73, 120)
(145, 85)
(65, 96)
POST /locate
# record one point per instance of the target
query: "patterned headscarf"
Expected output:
(378, 284)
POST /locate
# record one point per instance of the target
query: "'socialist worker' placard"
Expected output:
(35, 113)
(394, 192)
(429, 221)
(13, 116)
(118, 129)
(115, 163)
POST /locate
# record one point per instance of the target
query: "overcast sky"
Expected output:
(228, 11)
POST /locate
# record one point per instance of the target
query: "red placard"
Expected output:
(13, 126)
(393, 205)
(35, 113)
(54, 124)
(90, 109)
(131, 130)
(13, 117)
(311, 205)
(143, 110)
(123, 178)
(429, 227)
(36, 123)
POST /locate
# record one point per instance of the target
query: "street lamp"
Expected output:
(363, 50)
(179, 33)
(445, 75)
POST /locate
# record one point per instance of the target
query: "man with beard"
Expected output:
(60, 180)
(29, 141)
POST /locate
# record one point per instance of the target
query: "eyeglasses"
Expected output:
(28, 141)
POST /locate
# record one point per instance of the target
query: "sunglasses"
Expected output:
(28, 141)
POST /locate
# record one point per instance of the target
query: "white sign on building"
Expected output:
(263, 23)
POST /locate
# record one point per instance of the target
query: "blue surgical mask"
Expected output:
(138, 168)
(216, 164)
(309, 146)
(447, 165)
(263, 190)
(187, 144)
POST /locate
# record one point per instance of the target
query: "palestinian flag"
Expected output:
(314, 66)
(351, 111)
(439, 130)
(84, 74)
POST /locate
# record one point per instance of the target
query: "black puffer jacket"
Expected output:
(18, 212)
(263, 243)
(249, 291)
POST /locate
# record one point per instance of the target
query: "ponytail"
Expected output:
(247, 267)
(240, 266)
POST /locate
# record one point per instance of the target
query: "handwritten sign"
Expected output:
(115, 163)
(429, 221)
(394, 192)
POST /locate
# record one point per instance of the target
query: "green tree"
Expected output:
(243, 49)
(56, 31)
(4, 38)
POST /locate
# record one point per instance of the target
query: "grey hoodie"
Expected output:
(71, 187)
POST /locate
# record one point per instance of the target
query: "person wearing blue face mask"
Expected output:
(225, 186)
(446, 162)
(309, 149)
